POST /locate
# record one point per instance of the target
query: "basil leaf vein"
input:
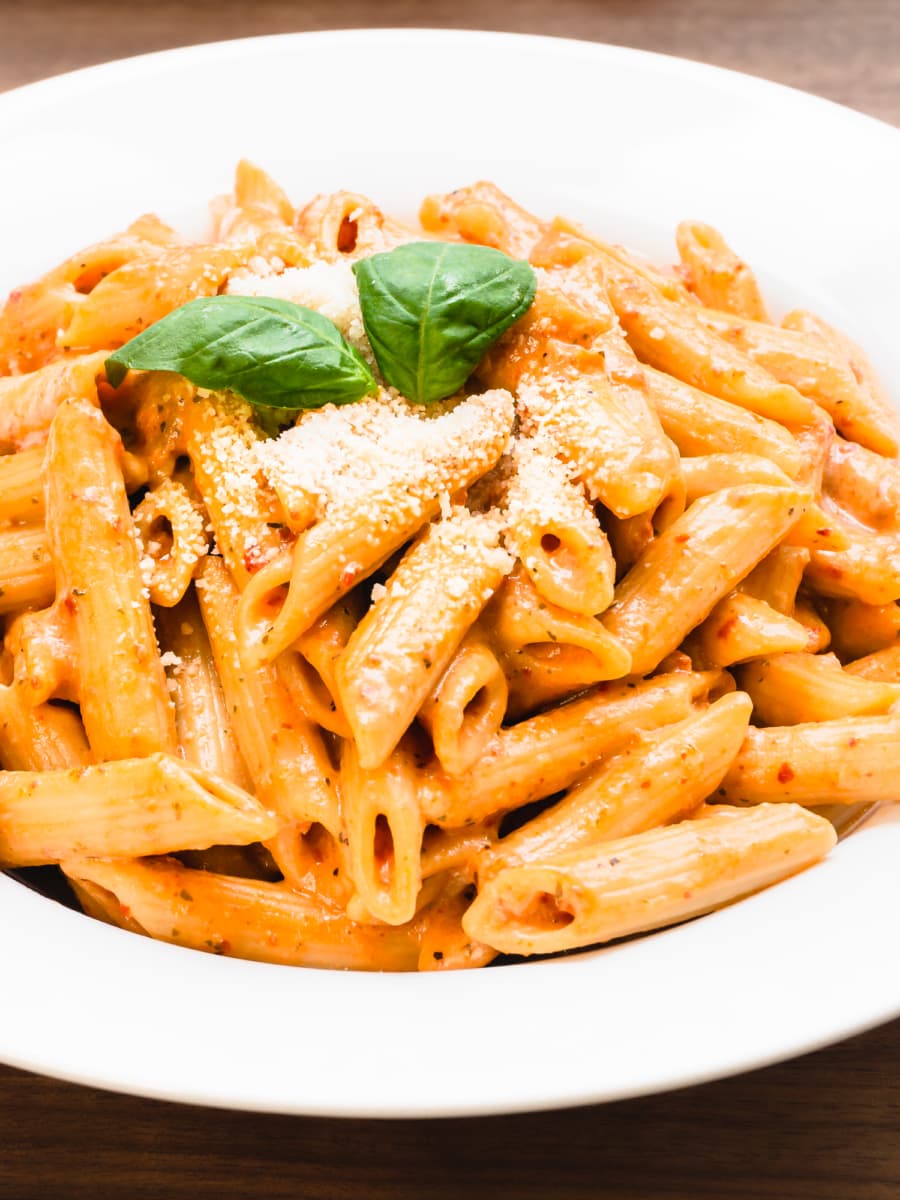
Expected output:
(273, 353)
(431, 310)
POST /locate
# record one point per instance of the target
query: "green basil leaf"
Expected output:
(273, 353)
(432, 309)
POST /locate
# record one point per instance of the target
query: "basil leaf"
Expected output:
(432, 309)
(273, 353)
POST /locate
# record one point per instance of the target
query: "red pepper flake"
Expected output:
(726, 627)
(853, 741)
(254, 558)
(785, 773)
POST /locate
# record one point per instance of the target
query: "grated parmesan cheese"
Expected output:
(328, 287)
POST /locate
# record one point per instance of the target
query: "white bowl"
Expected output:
(630, 143)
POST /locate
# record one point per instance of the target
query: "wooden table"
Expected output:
(822, 1128)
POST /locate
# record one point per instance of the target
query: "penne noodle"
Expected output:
(633, 884)
(741, 628)
(21, 490)
(670, 336)
(456, 849)
(565, 241)
(630, 536)
(309, 692)
(843, 761)
(467, 706)
(701, 424)
(95, 553)
(868, 569)
(521, 620)
(142, 291)
(284, 752)
(699, 559)
(384, 827)
(407, 639)
(27, 577)
(859, 629)
(347, 224)
(818, 633)
(713, 472)
(552, 529)
(131, 807)
(258, 206)
(541, 673)
(172, 533)
(806, 361)
(247, 918)
(33, 315)
(659, 778)
(244, 514)
(548, 752)
(871, 419)
(202, 719)
(777, 578)
(606, 432)
(716, 275)
(864, 484)
(789, 689)
(102, 905)
(28, 403)
(313, 860)
(482, 213)
(882, 665)
(312, 667)
(44, 650)
(47, 737)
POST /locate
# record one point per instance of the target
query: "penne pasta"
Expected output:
(45, 737)
(95, 553)
(882, 665)
(547, 753)
(842, 761)
(716, 275)
(467, 706)
(131, 807)
(246, 918)
(407, 639)
(700, 558)
(496, 558)
(870, 420)
(789, 689)
(741, 628)
(633, 884)
(27, 577)
(552, 529)
(21, 490)
(660, 777)
(202, 719)
(284, 752)
(173, 537)
(701, 424)
(384, 827)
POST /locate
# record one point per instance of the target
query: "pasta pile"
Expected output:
(568, 656)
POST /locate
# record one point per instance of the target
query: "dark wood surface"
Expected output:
(825, 1127)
